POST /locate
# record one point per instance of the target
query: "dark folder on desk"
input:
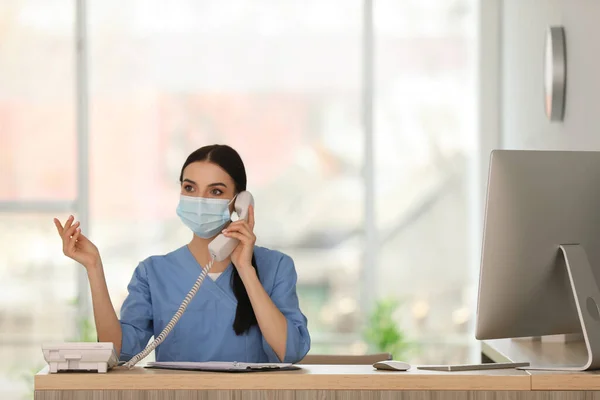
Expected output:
(222, 366)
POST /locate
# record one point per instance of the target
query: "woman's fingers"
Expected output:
(241, 228)
(236, 235)
(75, 236)
(75, 244)
(251, 217)
(69, 222)
(241, 223)
(68, 233)
(59, 226)
(68, 247)
(73, 240)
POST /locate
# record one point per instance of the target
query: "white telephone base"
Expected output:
(80, 356)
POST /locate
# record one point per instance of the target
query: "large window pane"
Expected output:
(424, 110)
(277, 80)
(281, 81)
(37, 109)
(37, 163)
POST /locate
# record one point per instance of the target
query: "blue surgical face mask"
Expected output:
(205, 217)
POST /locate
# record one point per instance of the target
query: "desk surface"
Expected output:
(540, 353)
(309, 377)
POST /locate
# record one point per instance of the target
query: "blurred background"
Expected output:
(356, 120)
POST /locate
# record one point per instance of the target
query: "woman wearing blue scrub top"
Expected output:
(247, 310)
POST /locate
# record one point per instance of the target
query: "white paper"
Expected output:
(217, 365)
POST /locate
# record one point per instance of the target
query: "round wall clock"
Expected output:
(555, 73)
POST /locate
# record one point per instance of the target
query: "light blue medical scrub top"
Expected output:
(205, 331)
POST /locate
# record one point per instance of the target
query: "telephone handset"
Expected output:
(219, 249)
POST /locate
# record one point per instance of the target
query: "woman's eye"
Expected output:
(188, 188)
(216, 192)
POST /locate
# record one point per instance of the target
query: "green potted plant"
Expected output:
(383, 333)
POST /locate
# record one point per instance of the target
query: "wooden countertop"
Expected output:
(542, 353)
(309, 377)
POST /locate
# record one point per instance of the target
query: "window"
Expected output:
(38, 180)
(279, 81)
(282, 82)
(424, 112)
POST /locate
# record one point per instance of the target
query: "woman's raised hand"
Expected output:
(75, 245)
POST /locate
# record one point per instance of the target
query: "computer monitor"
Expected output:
(541, 244)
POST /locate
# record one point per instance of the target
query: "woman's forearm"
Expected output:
(271, 321)
(108, 327)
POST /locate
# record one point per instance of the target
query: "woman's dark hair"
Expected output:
(228, 159)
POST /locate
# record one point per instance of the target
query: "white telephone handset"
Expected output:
(219, 248)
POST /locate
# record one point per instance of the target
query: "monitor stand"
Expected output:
(587, 299)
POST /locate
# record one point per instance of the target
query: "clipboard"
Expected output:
(222, 366)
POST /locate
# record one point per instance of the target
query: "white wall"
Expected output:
(524, 124)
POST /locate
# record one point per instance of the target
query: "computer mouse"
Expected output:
(391, 365)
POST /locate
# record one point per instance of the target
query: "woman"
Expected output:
(246, 311)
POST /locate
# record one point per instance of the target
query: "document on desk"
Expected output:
(222, 366)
